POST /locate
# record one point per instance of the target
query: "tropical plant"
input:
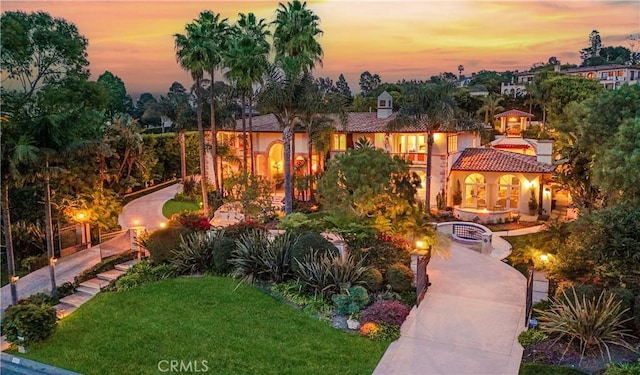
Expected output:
(162, 242)
(590, 323)
(191, 53)
(195, 252)
(253, 192)
(429, 107)
(324, 274)
(308, 242)
(490, 105)
(257, 256)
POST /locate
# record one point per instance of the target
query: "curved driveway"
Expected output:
(468, 322)
(146, 211)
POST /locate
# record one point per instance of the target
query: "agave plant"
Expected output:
(590, 322)
(258, 256)
(325, 274)
(195, 254)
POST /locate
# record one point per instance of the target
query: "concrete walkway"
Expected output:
(468, 322)
(146, 211)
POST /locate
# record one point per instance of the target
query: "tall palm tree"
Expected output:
(490, 105)
(430, 107)
(216, 34)
(536, 97)
(247, 63)
(191, 53)
(297, 52)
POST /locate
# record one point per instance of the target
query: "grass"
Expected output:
(4, 274)
(526, 247)
(540, 369)
(202, 319)
(172, 207)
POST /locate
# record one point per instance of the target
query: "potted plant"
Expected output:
(533, 202)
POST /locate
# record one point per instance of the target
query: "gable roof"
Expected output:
(490, 160)
(514, 113)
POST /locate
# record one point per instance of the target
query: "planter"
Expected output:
(353, 324)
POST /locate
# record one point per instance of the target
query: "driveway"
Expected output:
(146, 211)
(468, 322)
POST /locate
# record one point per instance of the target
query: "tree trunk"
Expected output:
(310, 161)
(253, 157)
(286, 137)
(214, 133)
(183, 154)
(49, 227)
(244, 135)
(427, 186)
(8, 241)
(203, 171)
(292, 158)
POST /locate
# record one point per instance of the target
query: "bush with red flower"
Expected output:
(192, 221)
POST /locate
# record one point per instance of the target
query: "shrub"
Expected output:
(372, 278)
(142, 273)
(581, 290)
(308, 242)
(33, 322)
(39, 299)
(380, 332)
(65, 289)
(543, 305)
(351, 300)
(236, 231)
(162, 242)
(257, 256)
(530, 337)
(400, 277)
(33, 263)
(636, 313)
(192, 221)
(588, 322)
(107, 264)
(297, 222)
(222, 254)
(384, 251)
(386, 312)
(323, 275)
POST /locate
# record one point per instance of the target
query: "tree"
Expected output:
(191, 53)
(247, 62)
(616, 55)
(591, 55)
(430, 107)
(369, 82)
(119, 101)
(176, 107)
(38, 49)
(146, 110)
(366, 181)
(342, 87)
(460, 70)
(297, 52)
(490, 105)
(215, 33)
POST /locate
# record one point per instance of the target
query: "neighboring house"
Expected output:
(513, 122)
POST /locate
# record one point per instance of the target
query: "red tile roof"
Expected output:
(490, 160)
(358, 122)
(514, 113)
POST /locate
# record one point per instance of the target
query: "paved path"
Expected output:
(147, 211)
(468, 322)
(66, 269)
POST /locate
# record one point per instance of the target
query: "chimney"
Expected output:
(544, 151)
(385, 105)
(556, 68)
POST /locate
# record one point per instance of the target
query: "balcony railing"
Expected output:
(414, 157)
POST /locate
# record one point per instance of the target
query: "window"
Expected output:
(590, 75)
(620, 73)
(339, 142)
(508, 192)
(604, 75)
(610, 74)
(452, 143)
(475, 191)
(382, 103)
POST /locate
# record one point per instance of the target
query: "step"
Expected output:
(76, 299)
(110, 275)
(88, 289)
(95, 283)
(64, 309)
(126, 265)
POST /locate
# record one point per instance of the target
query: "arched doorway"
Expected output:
(276, 165)
(475, 191)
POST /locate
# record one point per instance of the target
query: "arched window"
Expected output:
(508, 192)
(475, 191)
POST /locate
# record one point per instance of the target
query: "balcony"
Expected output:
(413, 157)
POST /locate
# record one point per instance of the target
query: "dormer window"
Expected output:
(382, 103)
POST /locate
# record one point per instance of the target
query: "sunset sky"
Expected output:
(396, 39)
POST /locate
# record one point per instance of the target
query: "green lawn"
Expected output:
(172, 207)
(202, 319)
(540, 369)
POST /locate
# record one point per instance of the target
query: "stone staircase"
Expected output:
(88, 289)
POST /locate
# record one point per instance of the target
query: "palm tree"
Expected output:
(247, 63)
(430, 107)
(536, 97)
(175, 106)
(490, 105)
(297, 52)
(216, 35)
(16, 151)
(191, 53)
(460, 70)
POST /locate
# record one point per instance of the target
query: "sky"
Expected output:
(395, 39)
